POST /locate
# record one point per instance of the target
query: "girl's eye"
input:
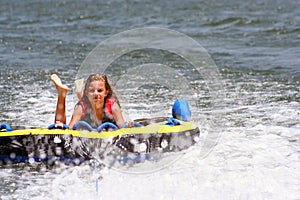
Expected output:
(93, 91)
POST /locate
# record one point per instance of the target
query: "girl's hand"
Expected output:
(130, 123)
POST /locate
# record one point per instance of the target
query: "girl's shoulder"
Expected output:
(109, 104)
(111, 100)
(85, 107)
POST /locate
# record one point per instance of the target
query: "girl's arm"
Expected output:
(76, 116)
(117, 114)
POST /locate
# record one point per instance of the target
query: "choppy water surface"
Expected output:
(255, 46)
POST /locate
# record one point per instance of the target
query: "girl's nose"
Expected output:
(97, 94)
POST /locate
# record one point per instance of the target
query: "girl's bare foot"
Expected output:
(79, 88)
(62, 89)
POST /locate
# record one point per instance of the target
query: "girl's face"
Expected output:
(96, 92)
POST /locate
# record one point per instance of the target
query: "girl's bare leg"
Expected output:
(60, 114)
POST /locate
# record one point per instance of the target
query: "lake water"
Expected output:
(247, 102)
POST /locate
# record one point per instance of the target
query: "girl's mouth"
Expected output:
(97, 98)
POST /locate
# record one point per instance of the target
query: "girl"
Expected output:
(97, 104)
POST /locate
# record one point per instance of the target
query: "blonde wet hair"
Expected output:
(99, 77)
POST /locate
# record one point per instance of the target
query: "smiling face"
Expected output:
(96, 92)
